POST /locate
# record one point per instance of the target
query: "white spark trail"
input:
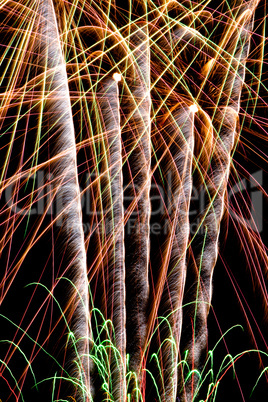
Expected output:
(112, 196)
(57, 119)
(137, 142)
(179, 131)
(205, 244)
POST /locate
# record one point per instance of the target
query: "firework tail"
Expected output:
(177, 163)
(204, 245)
(137, 146)
(59, 125)
(113, 224)
(229, 61)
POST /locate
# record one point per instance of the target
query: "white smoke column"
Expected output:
(179, 130)
(114, 298)
(59, 123)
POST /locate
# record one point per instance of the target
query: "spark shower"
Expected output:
(133, 264)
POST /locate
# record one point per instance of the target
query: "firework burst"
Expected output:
(129, 132)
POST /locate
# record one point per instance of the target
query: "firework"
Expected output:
(121, 128)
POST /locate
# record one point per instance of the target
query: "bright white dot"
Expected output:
(117, 77)
(194, 108)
